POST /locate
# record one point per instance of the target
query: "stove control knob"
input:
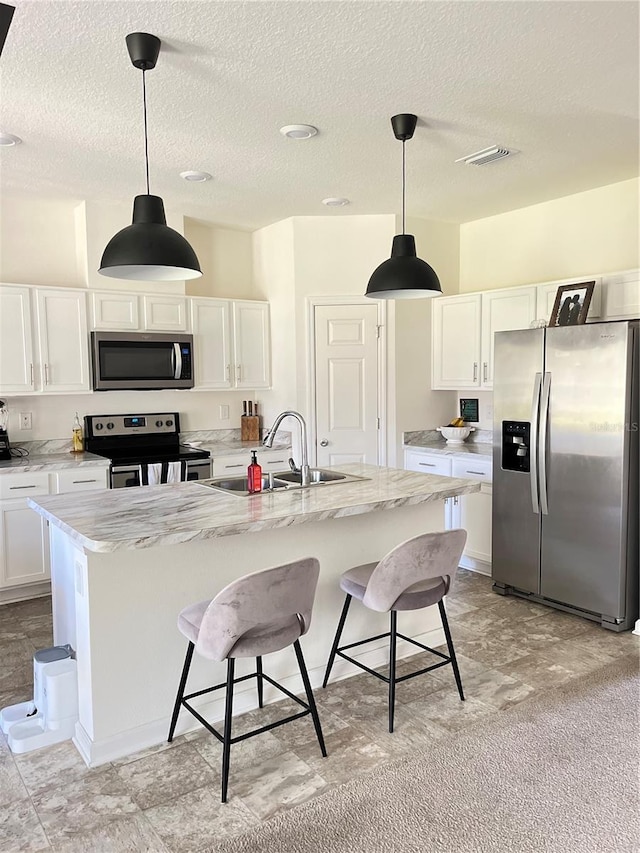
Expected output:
(169, 423)
(98, 426)
(110, 425)
(159, 423)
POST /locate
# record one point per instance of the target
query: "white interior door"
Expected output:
(346, 377)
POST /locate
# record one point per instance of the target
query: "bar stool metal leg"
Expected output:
(452, 653)
(182, 685)
(310, 699)
(392, 667)
(336, 639)
(226, 742)
(260, 681)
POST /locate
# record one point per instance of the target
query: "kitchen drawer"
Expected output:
(23, 485)
(427, 463)
(81, 480)
(237, 464)
(474, 469)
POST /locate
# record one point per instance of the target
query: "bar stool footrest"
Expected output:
(445, 658)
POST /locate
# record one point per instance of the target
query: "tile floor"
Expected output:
(167, 798)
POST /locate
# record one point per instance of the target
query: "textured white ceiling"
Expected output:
(556, 80)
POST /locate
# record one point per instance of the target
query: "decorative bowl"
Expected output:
(456, 435)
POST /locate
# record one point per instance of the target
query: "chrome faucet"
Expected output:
(268, 441)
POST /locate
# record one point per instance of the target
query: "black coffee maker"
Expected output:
(5, 447)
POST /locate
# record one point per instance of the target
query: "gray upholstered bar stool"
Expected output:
(416, 574)
(253, 616)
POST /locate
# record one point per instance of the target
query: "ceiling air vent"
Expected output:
(487, 155)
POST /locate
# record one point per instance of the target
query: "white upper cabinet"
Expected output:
(623, 295)
(62, 337)
(211, 327)
(547, 297)
(43, 340)
(503, 310)
(165, 313)
(112, 311)
(455, 361)
(251, 345)
(231, 343)
(16, 341)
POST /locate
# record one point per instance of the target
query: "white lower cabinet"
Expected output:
(470, 512)
(237, 464)
(24, 539)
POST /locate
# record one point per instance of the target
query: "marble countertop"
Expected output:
(151, 515)
(46, 461)
(479, 449)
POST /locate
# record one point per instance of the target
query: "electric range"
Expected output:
(144, 449)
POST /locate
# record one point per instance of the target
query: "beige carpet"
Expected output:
(558, 773)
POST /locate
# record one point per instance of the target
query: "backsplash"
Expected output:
(196, 437)
(422, 436)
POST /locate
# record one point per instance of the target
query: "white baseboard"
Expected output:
(475, 565)
(636, 630)
(97, 752)
(24, 592)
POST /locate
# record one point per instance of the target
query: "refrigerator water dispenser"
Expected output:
(515, 446)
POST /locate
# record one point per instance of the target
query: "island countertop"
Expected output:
(149, 516)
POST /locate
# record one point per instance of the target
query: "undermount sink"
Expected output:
(316, 475)
(283, 481)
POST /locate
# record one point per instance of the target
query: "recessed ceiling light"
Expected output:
(299, 131)
(196, 177)
(8, 139)
(335, 201)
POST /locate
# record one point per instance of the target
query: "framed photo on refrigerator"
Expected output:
(572, 304)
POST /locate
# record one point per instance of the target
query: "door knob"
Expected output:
(324, 443)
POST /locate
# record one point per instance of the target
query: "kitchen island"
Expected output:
(125, 562)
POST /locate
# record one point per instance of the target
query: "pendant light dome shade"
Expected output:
(148, 250)
(404, 275)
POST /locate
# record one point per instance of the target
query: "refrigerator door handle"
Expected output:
(542, 452)
(533, 467)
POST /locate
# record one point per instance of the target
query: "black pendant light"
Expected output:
(148, 250)
(403, 276)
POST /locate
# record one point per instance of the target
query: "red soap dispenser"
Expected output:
(254, 475)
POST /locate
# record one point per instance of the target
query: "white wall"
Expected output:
(53, 414)
(591, 232)
(38, 242)
(225, 257)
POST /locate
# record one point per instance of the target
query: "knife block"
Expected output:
(250, 427)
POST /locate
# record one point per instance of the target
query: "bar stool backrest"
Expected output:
(430, 555)
(264, 597)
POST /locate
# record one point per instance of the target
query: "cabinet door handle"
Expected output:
(275, 461)
(428, 464)
(84, 481)
(475, 371)
(12, 488)
(455, 501)
(239, 372)
(484, 371)
(479, 473)
(31, 369)
(228, 373)
(239, 465)
(46, 374)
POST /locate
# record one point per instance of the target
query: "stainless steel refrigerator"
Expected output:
(565, 468)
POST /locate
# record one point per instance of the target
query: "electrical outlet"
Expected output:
(224, 413)
(25, 420)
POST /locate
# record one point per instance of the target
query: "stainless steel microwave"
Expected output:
(141, 361)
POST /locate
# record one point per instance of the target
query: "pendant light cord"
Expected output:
(403, 185)
(146, 139)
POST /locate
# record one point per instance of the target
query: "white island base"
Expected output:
(118, 609)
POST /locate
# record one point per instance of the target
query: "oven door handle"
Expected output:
(177, 361)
